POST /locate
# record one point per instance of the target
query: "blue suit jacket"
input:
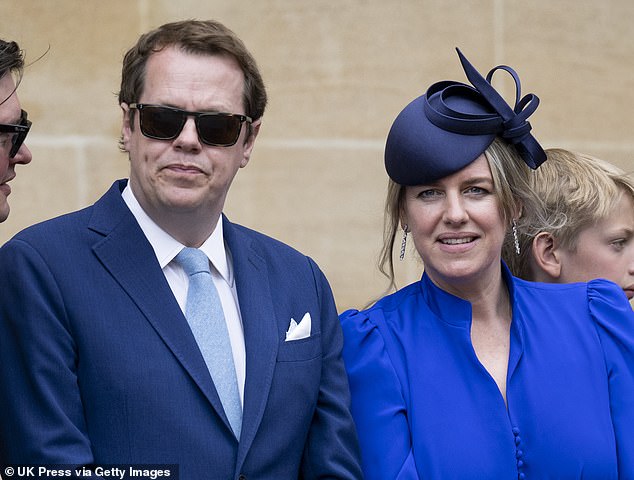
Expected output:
(98, 364)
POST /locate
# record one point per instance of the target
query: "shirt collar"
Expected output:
(167, 247)
(455, 310)
(214, 248)
(444, 305)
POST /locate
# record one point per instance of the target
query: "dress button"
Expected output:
(520, 464)
(518, 440)
(522, 476)
(518, 454)
(242, 477)
(516, 431)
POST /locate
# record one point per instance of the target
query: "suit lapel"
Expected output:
(129, 257)
(260, 330)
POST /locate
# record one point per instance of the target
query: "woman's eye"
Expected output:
(476, 191)
(428, 194)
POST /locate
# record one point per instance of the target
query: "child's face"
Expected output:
(604, 250)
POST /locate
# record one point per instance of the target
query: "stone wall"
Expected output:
(337, 73)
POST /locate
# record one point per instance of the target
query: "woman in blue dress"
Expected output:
(472, 373)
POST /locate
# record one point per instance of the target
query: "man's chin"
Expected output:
(4, 209)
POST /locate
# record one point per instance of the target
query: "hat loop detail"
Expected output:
(509, 123)
(453, 123)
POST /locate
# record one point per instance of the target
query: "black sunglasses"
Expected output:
(20, 130)
(166, 123)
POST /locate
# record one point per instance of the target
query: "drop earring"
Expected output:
(516, 240)
(403, 243)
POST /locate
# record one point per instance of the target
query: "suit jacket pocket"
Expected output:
(300, 350)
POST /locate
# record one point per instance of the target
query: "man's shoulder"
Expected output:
(62, 225)
(65, 226)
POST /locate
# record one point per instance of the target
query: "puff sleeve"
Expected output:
(378, 399)
(614, 321)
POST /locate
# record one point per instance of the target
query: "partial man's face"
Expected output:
(10, 114)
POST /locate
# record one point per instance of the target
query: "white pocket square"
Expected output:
(297, 331)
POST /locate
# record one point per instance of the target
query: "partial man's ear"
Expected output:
(249, 142)
(126, 127)
(546, 258)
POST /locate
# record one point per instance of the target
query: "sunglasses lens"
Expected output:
(164, 123)
(18, 138)
(161, 123)
(219, 129)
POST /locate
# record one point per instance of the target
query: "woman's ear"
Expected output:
(546, 257)
(402, 218)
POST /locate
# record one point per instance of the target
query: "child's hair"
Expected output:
(571, 192)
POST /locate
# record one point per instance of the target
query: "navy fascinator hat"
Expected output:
(453, 123)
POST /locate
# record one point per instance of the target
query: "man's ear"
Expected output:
(126, 127)
(250, 142)
(546, 256)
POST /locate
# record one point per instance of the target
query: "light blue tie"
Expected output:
(207, 321)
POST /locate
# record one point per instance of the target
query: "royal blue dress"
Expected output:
(426, 408)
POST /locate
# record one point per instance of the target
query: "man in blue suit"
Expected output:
(98, 363)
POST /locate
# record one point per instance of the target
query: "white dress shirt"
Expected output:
(167, 247)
